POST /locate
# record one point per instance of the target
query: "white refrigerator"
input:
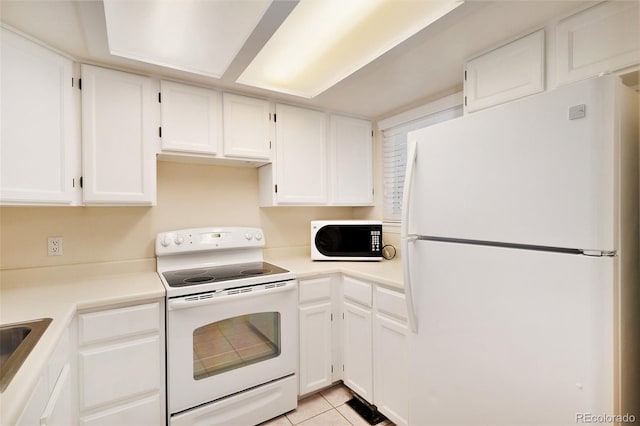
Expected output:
(520, 248)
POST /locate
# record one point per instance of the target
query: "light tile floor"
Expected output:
(327, 408)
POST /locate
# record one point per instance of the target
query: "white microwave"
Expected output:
(346, 240)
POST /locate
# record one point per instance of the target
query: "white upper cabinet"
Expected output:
(248, 127)
(505, 73)
(320, 159)
(119, 137)
(191, 118)
(39, 144)
(603, 38)
(351, 161)
(298, 174)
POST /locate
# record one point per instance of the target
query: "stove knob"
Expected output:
(166, 241)
(179, 240)
(248, 236)
(258, 235)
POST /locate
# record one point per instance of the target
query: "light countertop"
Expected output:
(384, 272)
(60, 292)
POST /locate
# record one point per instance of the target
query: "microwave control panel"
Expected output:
(376, 241)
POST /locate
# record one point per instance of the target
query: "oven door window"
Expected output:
(235, 342)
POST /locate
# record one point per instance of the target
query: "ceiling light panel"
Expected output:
(197, 36)
(323, 41)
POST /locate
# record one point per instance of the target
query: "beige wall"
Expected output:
(189, 195)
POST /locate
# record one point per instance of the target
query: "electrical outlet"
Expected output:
(54, 246)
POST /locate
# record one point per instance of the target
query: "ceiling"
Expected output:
(425, 67)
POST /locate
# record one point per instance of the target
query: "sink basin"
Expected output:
(16, 343)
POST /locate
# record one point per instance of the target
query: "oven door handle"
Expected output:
(195, 301)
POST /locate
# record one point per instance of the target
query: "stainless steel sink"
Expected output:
(16, 343)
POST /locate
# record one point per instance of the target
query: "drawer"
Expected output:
(119, 372)
(392, 303)
(357, 291)
(116, 323)
(314, 289)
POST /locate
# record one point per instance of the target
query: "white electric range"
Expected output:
(232, 340)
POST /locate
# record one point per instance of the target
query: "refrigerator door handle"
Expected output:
(405, 238)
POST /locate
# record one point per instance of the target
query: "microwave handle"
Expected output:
(405, 238)
(201, 300)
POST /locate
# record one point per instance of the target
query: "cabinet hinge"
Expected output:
(79, 84)
(159, 97)
(160, 131)
(276, 188)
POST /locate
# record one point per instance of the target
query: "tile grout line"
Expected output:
(333, 407)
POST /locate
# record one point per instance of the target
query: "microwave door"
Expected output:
(349, 242)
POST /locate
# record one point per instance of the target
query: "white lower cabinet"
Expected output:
(121, 366)
(375, 346)
(58, 410)
(357, 350)
(319, 335)
(390, 374)
(51, 403)
(367, 349)
(358, 337)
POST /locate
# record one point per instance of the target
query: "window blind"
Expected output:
(394, 152)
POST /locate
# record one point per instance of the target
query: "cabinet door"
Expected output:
(191, 118)
(38, 145)
(247, 127)
(58, 410)
(119, 137)
(603, 38)
(301, 156)
(351, 161)
(32, 412)
(506, 73)
(315, 346)
(390, 368)
(357, 347)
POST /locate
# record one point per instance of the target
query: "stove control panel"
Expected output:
(205, 239)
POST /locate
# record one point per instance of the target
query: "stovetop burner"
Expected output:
(189, 277)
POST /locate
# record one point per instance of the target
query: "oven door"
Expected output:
(225, 342)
